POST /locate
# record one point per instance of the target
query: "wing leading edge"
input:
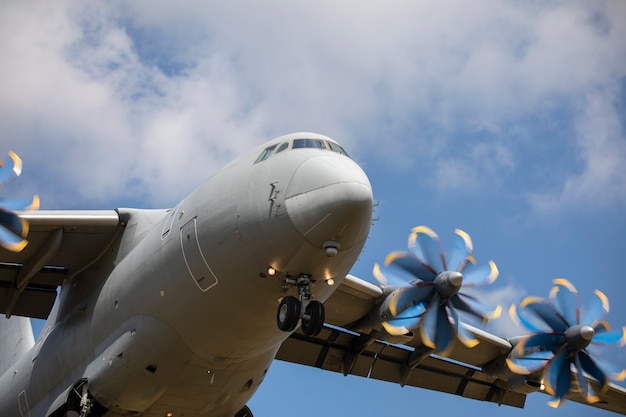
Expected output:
(61, 245)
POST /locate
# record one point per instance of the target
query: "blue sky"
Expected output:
(507, 120)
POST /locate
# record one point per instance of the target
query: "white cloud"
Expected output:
(601, 140)
(141, 97)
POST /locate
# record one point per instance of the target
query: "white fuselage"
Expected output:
(180, 315)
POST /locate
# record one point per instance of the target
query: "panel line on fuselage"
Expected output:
(197, 265)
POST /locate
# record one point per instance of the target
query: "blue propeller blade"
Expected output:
(13, 223)
(566, 298)
(20, 204)
(597, 310)
(613, 371)
(11, 241)
(13, 229)
(457, 256)
(558, 375)
(586, 390)
(408, 297)
(446, 332)
(520, 315)
(413, 265)
(425, 244)
(547, 341)
(602, 327)
(616, 337)
(471, 306)
(392, 275)
(428, 328)
(592, 368)
(530, 363)
(406, 320)
(546, 312)
(464, 336)
(10, 168)
(476, 276)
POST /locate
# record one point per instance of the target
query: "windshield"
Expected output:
(303, 143)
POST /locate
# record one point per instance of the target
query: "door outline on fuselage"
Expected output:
(198, 268)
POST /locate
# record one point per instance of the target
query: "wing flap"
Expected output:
(333, 350)
(32, 302)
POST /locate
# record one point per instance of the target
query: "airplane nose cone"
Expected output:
(330, 198)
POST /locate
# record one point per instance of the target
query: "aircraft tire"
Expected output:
(244, 412)
(314, 318)
(288, 314)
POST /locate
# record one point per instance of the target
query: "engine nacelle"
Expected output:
(524, 384)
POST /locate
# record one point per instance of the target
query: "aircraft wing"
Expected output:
(355, 298)
(338, 348)
(614, 399)
(61, 245)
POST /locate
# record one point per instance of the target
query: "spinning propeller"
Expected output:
(430, 289)
(565, 345)
(13, 229)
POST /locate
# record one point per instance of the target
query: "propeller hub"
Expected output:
(587, 333)
(578, 337)
(448, 283)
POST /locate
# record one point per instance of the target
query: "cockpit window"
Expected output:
(265, 154)
(301, 144)
(282, 147)
(308, 143)
(335, 147)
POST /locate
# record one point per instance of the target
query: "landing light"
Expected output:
(271, 271)
(330, 282)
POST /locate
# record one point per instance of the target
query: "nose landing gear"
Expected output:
(290, 310)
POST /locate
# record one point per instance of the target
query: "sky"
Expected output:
(506, 120)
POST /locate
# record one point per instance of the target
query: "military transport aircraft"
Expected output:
(181, 312)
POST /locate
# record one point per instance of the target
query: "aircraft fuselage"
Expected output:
(179, 315)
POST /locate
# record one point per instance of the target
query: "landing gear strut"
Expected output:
(80, 403)
(290, 310)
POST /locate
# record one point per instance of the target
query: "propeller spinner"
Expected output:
(429, 289)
